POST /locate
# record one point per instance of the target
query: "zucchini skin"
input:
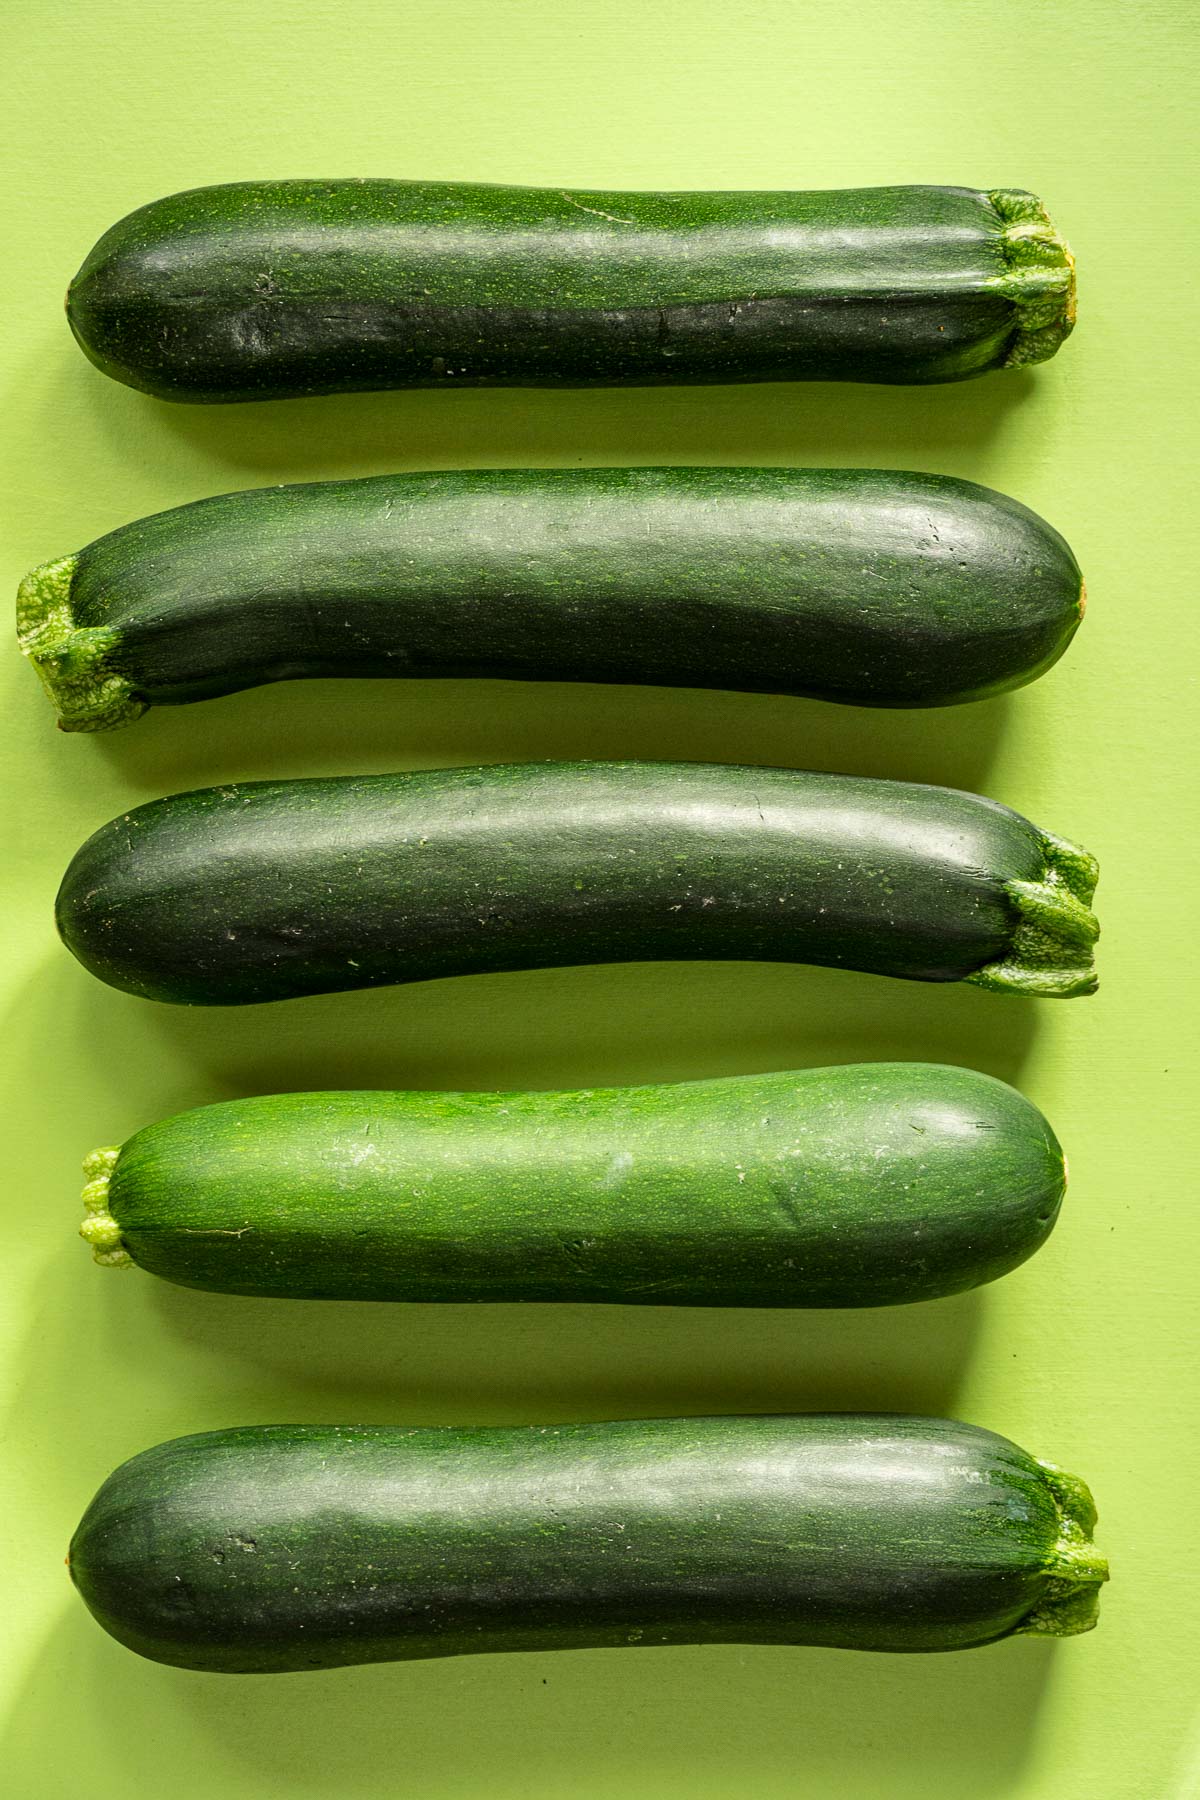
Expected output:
(864, 1185)
(284, 1547)
(866, 586)
(267, 890)
(267, 289)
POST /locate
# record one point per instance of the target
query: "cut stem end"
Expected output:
(99, 1228)
(1038, 278)
(75, 662)
(1077, 1570)
(1051, 950)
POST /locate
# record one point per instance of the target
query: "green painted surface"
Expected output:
(1088, 1354)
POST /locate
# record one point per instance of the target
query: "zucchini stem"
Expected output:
(1038, 278)
(1051, 950)
(99, 1228)
(75, 662)
(1076, 1570)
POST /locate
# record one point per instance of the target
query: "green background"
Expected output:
(1087, 1355)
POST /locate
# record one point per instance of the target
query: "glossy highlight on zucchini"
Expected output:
(864, 1185)
(266, 890)
(282, 1547)
(860, 585)
(264, 289)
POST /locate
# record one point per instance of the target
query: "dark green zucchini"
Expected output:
(309, 1546)
(269, 889)
(856, 1186)
(861, 585)
(264, 289)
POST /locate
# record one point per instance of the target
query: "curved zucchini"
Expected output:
(859, 585)
(857, 1186)
(310, 1546)
(269, 889)
(265, 289)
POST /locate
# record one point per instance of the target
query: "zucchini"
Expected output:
(309, 1546)
(263, 289)
(268, 889)
(855, 1186)
(860, 585)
